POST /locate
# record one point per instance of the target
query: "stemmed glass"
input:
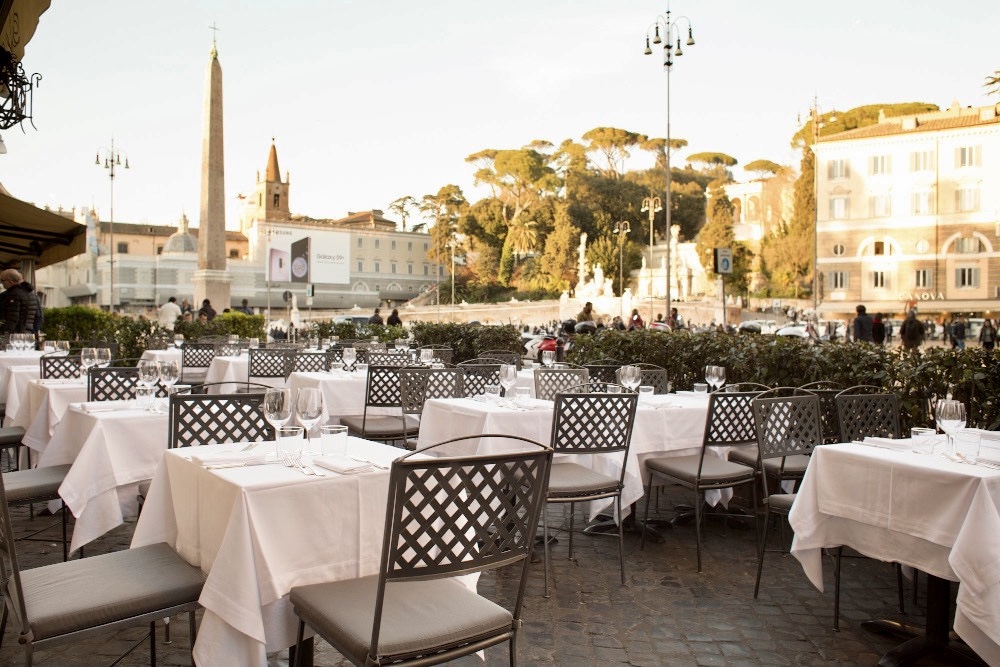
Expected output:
(349, 354)
(715, 376)
(170, 372)
(88, 358)
(548, 358)
(61, 348)
(103, 357)
(950, 416)
(277, 408)
(149, 375)
(630, 377)
(309, 410)
(508, 378)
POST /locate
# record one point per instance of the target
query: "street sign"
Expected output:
(723, 260)
(287, 296)
(310, 290)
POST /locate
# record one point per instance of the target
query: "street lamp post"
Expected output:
(451, 246)
(671, 40)
(622, 229)
(652, 204)
(112, 160)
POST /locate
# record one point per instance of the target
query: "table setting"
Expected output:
(44, 405)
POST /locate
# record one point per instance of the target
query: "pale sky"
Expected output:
(372, 100)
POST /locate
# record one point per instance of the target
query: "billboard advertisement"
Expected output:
(308, 256)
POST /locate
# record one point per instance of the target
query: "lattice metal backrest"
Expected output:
(228, 349)
(550, 381)
(505, 356)
(203, 419)
(382, 390)
(54, 368)
(593, 422)
(603, 372)
(311, 362)
(111, 384)
(655, 377)
(335, 355)
(787, 425)
(868, 415)
(270, 363)
(477, 376)
(730, 419)
(416, 385)
(455, 515)
(829, 415)
(197, 355)
(386, 358)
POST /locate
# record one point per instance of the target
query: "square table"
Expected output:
(109, 453)
(920, 510)
(15, 381)
(169, 354)
(44, 405)
(19, 358)
(258, 531)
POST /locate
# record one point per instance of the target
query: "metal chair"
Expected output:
(115, 384)
(504, 356)
(416, 385)
(52, 367)
(829, 417)
(864, 411)
(270, 363)
(68, 601)
(652, 375)
(203, 419)
(589, 423)
(388, 358)
(604, 370)
(550, 381)
(310, 362)
(479, 373)
(441, 352)
(786, 426)
(729, 424)
(447, 516)
(195, 360)
(381, 391)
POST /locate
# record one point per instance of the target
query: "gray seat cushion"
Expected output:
(575, 479)
(80, 594)
(745, 455)
(781, 502)
(795, 465)
(380, 426)
(713, 470)
(11, 436)
(416, 615)
(34, 483)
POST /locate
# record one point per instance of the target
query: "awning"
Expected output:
(28, 232)
(18, 21)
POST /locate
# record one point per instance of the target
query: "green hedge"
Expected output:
(972, 374)
(468, 340)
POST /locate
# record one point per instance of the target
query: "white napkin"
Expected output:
(54, 381)
(236, 458)
(902, 445)
(342, 464)
(106, 406)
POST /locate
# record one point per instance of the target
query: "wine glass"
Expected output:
(508, 378)
(88, 358)
(61, 348)
(309, 410)
(548, 358)
(950, 417)
(103, 357)
(179, 340)
(170, 372)
(277, 407)
(349, 354)
(720, 377)
(630, 377)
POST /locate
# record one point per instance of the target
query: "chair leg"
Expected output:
(621, 537)
(299, 636)
(166, 630)
(899, 588)
(152, 644)
(513, 650)
(545, 547)
(836, 588)
(3, 621)
(572, 514)
(698, 500)
(761, 548)
(65, 542)
(645, 513)
(193, 632)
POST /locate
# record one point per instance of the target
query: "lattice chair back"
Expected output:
(550, 381)
(387, 358)
(593, 423)
(478, 375)
(604, 370)
(655, 377)
(382, 389)
(416, 385)
(829, 415)
(504, 356)
(56, 368)
(786, 424)
(442, 353)
(730, 421)
(203, 419)
(334, 355)
(114, 384)
(270, 363)
(863, 415)
(197, 355)
(227, 349)
(310, 362)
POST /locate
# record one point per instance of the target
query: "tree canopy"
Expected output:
(841, 121)
(763, 167)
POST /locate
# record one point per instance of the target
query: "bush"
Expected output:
(468, 340)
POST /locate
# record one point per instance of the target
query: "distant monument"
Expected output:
(211, 280)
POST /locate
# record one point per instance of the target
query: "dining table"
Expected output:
(15, 381)
(258, 530)
(13, 358)
(110, 446)
(43, 405)
(168, 354)
(929, 511)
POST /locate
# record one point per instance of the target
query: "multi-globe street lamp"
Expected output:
(621, 228)
(671, 40)
(652, 204)
(112, 161)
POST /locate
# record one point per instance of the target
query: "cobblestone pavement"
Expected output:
(667, 614)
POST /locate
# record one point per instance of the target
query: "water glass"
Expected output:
(548, 358)
(179, 340)
(923, 439)
(361, 368)
(645, 394)
(333, 440)
(967, 445)
(613, 388)
(522, 397)
(402, 344)
(61, 348)
(289, 442)
(144, 395)
(492, 393)
(700, 388)
(426, 357)
(253, 343)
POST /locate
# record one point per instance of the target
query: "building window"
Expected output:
(839, 249)
(880, 165)
(393, 245)
(878, 279)
(234, 253)
(922, 202)
(837, 169)
(159, 250)
(968, 245)
(426, 270)
(880, 206)
(922, 278)
(122, 249)
(838, 279)
(967, 198)
(425, 247)
(392, 267)
(376, 244)
(923, 246)
(409, 269)
(968, 156)
(361, 266)
(360, 242)
(840, 208)
(409, 245)
(378, 267)
(967, 277)
(922, 161)
(878, 248)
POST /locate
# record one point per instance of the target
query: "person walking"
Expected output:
(878, 330)
(863, 325)
(958, 334)
(988, 335)
(19, 304)
(911, 332)
(394, 319)
(375, 318)
(169, 313)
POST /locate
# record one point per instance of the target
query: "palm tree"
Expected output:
(992, 84)
(522, 236)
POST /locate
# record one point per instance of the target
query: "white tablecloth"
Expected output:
(109, 454)
(9, 359)
(257, 532)
(343, 393)
(235, 369)
(676, 428)
(169, 354)
(917, 509)
(15, 383)
(45, 404)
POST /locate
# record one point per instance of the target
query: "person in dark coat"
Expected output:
(19, 304)
(207, 310)
(394, 319)
(375, 318)
(862, 325)
(878, 330)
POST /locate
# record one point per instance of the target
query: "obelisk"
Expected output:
(211, 280)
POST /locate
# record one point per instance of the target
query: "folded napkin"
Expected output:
(106, 406)
(234, 459)
(902, 445)
(342, 464)
(48, 382)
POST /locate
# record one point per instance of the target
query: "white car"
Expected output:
(530, 343)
